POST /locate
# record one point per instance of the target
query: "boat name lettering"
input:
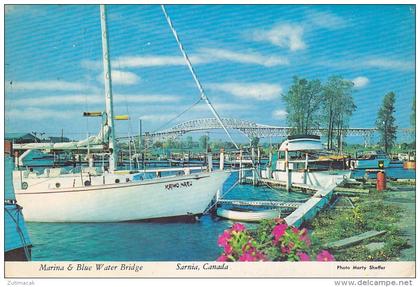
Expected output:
(178, 185)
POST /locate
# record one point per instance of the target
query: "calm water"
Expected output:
(143, 241)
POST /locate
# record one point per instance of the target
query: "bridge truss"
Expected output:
(251, 129)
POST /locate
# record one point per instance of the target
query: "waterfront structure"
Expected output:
(251, 129)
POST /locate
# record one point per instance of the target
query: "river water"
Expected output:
(137, 241)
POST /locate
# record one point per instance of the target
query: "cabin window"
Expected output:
(117, 180)
(87, 183)
(57, 185)
(24, 185)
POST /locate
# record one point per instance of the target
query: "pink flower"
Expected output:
(279, 220)
(228, 249)
(278, 232)
(223, 239)
(324, 255)
(260, 256)
(222, 258)
(247, 256)
(285, 250)
(304, 256)
(238, 227)
(248, 247)
(295, 230)
(305, 237)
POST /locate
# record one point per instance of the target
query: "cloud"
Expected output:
(203, 56)
(390, 64)
(91, 65)
(48, 86)
(148, 61)
(31, 10)
(122, 78)
(279, 114)
(365, 63)
(257, 91)
(157, 117)
(323, 19)
(223, 107)
(283, 35)
(143, 98)
(360, 82)
(62, 100)
(34, 114)
(245, 58)
(79, 99)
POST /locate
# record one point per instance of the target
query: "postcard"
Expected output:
(209, 141)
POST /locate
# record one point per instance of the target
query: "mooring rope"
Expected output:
(215, 203)
(19, 230)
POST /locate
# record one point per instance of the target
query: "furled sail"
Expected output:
(93, 143)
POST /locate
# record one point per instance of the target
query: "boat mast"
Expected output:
(108, 92)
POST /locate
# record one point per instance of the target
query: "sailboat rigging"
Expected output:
(94, 195)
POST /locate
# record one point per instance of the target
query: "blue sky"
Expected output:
(245, 57)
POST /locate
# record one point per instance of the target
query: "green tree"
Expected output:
(338, 106)
(203, 140)
(385, 122)
(303, 102)
(189, 142)
(255, 141)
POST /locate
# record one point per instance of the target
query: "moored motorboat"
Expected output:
(374, 159)
(295, 162)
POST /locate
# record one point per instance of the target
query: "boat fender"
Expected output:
(24, 185)
(87, 183)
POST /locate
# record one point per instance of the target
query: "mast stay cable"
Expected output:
(197, 82)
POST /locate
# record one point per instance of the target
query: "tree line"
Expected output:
(311, 105)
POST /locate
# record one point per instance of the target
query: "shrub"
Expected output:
(273, 240)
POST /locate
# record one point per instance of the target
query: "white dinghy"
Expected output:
(248, 215)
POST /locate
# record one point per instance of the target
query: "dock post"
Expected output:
(210, 161)
(306, 169)
(240, 166)
(222, 159)
(253, 165)
(287, 170)
(217, 196)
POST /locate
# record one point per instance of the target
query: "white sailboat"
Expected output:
(94, 195)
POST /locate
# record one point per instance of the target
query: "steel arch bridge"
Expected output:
(250, 130)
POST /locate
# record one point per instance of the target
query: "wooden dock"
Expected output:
(266, 203)
(300, 186)
(346, 242)
(310, 208)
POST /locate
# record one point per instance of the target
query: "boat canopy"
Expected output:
(302, 143)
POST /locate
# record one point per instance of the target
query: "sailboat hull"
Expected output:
(147, 199)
